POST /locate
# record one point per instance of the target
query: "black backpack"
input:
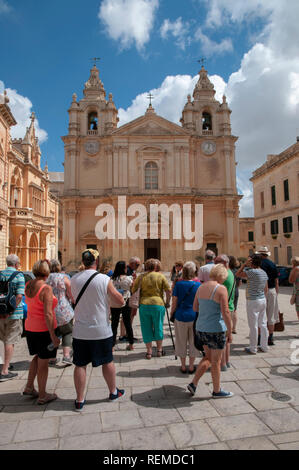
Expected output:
(8, 302)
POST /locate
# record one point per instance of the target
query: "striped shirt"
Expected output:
(256, 282)
(18, 287)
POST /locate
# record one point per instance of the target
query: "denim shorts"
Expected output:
(212, 340)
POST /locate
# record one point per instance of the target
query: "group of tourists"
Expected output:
(83, 315)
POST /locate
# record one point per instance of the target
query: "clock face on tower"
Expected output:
(208, 147)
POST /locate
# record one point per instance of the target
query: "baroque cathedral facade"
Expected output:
(148, 162)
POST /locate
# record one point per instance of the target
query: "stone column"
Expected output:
(71, 239)
(115, 167)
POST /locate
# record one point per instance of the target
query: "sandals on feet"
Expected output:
(130, 347)
(30, 393)
(160, 352)
(148, 355)
(48, 398)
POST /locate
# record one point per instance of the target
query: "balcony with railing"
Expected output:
(92, 132)
(207, 132)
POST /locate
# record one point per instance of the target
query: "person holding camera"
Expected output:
(257, 288)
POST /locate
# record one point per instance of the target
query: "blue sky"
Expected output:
(153, 45)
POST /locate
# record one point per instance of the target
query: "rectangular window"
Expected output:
(263, 229)
(250, 236)
(289, 254)
(37, 201)
(276, 259)
(274, 227)
(286, 190)
(273, 195)
(287, 225)
(262, 200)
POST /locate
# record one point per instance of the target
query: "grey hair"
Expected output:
(189, 270)
(210, 254)
(224, 258)
(134, 259)
(12, 260)
(55, 266)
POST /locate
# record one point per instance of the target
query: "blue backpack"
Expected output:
(8, 301)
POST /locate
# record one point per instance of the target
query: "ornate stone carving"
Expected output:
(92, 147)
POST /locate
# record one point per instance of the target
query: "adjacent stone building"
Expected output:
(247, 237)
(276, 204)
(6, 122)
(149, 161)
(28, 211)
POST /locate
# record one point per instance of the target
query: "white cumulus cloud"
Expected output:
(128, 21)
(21, 108)
(178, 29)
(169, 99)
(211, 47)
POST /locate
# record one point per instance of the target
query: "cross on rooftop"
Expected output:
(201, 61)
(95, 60)
(150, 97)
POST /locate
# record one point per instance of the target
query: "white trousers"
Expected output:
(257, 318)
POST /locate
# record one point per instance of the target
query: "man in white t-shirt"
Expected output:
(92, 333)
(204, 271)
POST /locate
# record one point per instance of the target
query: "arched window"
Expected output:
(93, 121)
(206, 122)
(151, 175)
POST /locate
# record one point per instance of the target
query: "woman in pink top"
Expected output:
(40, 331)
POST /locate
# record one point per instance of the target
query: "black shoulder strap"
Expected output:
(186, 295)
(231, 292)
(14, 274)
(84, 288)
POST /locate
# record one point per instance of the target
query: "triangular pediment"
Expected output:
(150, 124)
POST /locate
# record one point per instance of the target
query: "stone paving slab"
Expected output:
(193, 433)
(158, 412)
(282, 420)
(239, 426)
(253, 443)
(154, 438)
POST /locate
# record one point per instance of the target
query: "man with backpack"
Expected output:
(12, 287)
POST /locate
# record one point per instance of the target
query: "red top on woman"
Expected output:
(35, 320)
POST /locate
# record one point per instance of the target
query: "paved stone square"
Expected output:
(157, 411)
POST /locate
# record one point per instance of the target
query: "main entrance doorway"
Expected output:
(213, 247)
(152, 249)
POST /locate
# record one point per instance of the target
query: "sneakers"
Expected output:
(222, 394)
(53, 362)
(9, 376)
(119, 393)
(248, 351)
(262, 350)
(192, 389)
(79, 405)
(223, 368)
(67, 361)
(228, 365)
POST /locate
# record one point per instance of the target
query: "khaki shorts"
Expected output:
(10, 330)
(184, 336)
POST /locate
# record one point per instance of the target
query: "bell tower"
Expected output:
(90, 119)
(213, 156)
